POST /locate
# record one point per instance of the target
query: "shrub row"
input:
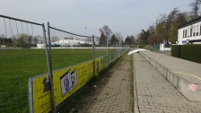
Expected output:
(176, 51)
(190, 52)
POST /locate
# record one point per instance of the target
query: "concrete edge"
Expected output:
(136, 110)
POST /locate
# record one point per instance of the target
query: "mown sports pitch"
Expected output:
(17, 65)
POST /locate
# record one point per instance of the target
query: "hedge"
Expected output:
(176, 50)
(191, 52)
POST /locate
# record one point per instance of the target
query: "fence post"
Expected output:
(93, 54)
(54, 110)
(114, 44)
(107, 53)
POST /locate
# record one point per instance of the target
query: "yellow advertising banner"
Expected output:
(98, 65)
(66, 82)
(41, 95)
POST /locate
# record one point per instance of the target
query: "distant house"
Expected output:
(190, 32)
(71, 43)
(67, 43)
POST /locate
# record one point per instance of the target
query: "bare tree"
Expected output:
(106, 32)
(35, 40)
(168, 22)
(24, 40)
(195, 5)
(119, 36)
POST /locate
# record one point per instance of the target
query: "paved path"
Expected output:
(113, 94)
(155, 94)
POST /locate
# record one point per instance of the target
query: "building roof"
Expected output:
(190, 23)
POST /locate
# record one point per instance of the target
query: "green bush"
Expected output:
(176, 50)
(191, 52)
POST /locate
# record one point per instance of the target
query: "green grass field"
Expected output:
(17, 65)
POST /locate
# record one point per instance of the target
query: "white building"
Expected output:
(190, 32)
(72, 42)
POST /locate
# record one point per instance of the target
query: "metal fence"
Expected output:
(18, 62)
(33, 67)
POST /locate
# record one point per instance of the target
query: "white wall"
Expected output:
(162, 48)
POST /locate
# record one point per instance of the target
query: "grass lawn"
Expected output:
(17, 65)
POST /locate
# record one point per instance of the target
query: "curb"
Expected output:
(136, 110)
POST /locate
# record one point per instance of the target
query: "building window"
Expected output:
(194, 31)
(197, 30)
(186, 33)
(200, 29)
(183, 34)
(191, 30)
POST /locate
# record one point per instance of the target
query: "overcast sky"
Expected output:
(127, 17)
